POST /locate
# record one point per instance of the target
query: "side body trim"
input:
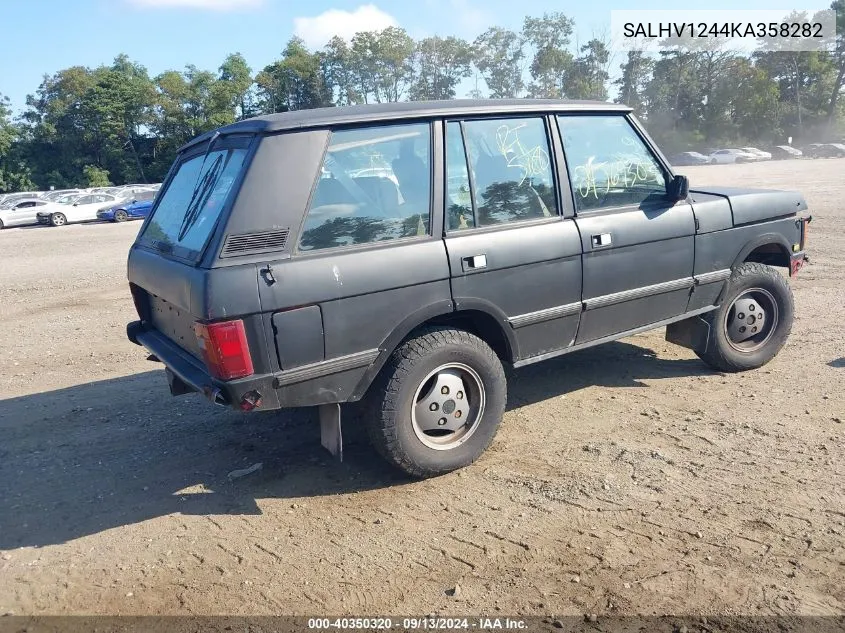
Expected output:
(638, 293)
(716, 275)
(545, 315)
(614, 337)
(324, 368)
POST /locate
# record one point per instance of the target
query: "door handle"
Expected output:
(602, 240)
(474, 263)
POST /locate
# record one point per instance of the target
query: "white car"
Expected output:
(22, 212)
(760, 154)
(727, 156)
(80, 209)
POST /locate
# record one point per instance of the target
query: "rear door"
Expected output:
(512, 252)
(638, 245)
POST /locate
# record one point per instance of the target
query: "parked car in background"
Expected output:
(783, 152)
(10, 198)
(824, 150)
(52, 196)
(82, 209)
(760, 154)
(688, 158)
(136, 208)
(21, 212)
(727, 156)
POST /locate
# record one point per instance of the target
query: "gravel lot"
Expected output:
(626, 479)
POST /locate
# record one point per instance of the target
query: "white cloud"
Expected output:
(320, 29)
(465, 19)
(473, 20)
(213, 5)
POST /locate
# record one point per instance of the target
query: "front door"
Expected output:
(638, 245)
(512, 253)
(25, 212)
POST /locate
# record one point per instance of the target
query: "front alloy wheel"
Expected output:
(753, 322)
(58, 219)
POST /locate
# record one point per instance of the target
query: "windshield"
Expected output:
(188, 209)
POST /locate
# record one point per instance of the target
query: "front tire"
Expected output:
(120, 216)
(58, 219)
(438, 402)
(753, 322)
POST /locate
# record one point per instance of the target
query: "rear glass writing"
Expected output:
(191, 204)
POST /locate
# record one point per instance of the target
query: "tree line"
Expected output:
(117, 124)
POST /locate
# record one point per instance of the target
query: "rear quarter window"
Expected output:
(374, 186)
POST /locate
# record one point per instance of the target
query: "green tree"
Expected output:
(636, 72)
(14, 174)
(383, 64)
(549, 36)
(296, 82)
(96, 176)
(340, 76)
(499, 55)
(838, 59)
(588, 77)
(441, 64)
(232, 90)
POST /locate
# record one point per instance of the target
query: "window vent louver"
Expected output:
(254, 243)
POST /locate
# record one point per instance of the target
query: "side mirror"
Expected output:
(678, 188)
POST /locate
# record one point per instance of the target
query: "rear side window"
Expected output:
(510, 169)
(190, 206)
(374, 186)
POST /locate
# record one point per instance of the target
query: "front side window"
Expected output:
(609, 164)
(511, 172)
(374, 186)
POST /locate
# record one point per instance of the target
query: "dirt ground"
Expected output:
(625, 479)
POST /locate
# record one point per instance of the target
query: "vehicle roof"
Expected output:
(322, 117)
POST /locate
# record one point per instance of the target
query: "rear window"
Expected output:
(188, 209)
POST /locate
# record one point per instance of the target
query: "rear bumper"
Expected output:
(343, 379)
(187, 374)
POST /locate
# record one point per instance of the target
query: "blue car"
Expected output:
(132, 209)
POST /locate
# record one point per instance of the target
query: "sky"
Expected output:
(39, 37)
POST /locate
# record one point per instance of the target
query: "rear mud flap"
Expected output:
(692, 333)
(330, 433)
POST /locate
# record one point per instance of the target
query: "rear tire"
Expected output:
(2, 226)
(58, 219)
(437, 403)
(753, 322)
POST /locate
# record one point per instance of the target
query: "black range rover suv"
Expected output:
(400, 254)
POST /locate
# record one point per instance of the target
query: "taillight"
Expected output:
(225, 349)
